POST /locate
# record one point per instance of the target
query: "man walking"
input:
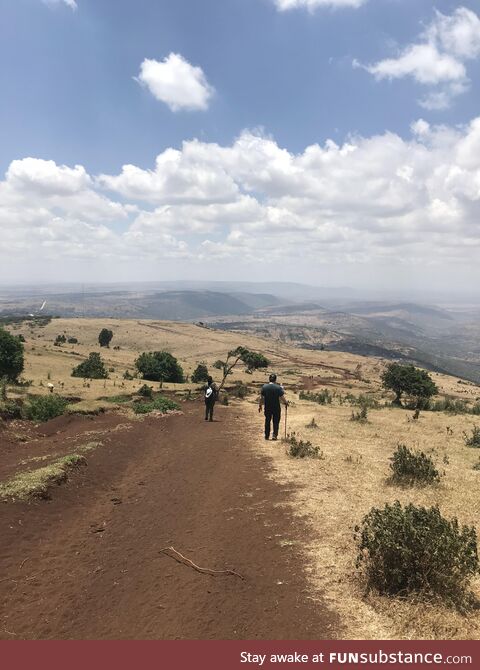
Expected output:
(211, 393)
(271, 396)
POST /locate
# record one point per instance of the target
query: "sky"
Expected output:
(330, 142)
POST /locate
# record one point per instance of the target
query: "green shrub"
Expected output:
(72, 340)
(11, 356)
(474, 439)
(91, 368)
(299, 448)
(412, 467)
(44, 407)
(412, 549)
(324, 397)
(159, 366)
(361, 416)
(60, 339)
(10, 410)
(128, 375)
(145, 391)
(200, 374)
(160, 404)
(239, 390)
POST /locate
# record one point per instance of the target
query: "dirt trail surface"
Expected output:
(88, 564)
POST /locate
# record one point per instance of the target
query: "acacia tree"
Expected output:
(11, 356)
(251, 359)
(409, 380)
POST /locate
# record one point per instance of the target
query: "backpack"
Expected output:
(209, 393)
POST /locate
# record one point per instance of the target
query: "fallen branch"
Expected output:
(173, 553)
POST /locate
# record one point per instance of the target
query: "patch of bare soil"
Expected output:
(88, 563)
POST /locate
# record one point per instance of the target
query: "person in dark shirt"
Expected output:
(211, 394)
(271, 396)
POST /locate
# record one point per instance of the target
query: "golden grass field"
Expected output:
(332, 493)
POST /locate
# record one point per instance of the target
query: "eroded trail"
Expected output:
(88, 562)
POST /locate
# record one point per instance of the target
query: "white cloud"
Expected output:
(176, 82)
(438, 59)
(311, 5)
(70, 3)
(371, 200)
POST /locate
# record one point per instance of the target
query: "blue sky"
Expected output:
(72, 93)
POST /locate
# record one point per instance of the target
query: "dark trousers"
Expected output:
(209, 410)
(272, 415)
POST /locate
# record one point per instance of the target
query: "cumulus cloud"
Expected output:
(311, 5)
(70, 3)
(371, 200)
(176, 82)
(438, 59)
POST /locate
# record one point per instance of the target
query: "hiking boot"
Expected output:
(274, 437)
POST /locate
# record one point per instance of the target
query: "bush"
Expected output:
(313, 424)
(409, 380)
(160, 404)
(105, 337)
(200, 374)
(60, 339)
(72, 340)
(474, 439)
(159, 366)
(21, 338)
(11, 356)
(145, 391)
(413, 467)
(10, 410)
(224, 399)
(300, 448)
(239, 390)
(412, 549)
(361, 416)
(127, 375)
(324, 397)
(92, 368)
(44, 407)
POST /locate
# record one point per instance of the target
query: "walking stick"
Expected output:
(286, 410)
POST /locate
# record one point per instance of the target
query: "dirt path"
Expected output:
(87, 563)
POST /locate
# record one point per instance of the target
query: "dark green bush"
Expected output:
(105, 337)
(44, 407)
(200, 374)
(159, 366)
(91, 368)
(412, 467)
(10, 410)
(145, 391)
(60, 339)
(474, 439)
(412, 549)
(299, 448)
(72, 340)
(11, 356)
(160, 404)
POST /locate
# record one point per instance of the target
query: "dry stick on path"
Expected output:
(173, 553)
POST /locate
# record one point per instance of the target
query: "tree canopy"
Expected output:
(105, 337)
(92, 368)
(11, 356)
(159, 366)
(409, 380)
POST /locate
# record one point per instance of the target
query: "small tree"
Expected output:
(200, 374)
(11, 356)
(251, 359)
(91, 368)
(105, 337)
(409, 380)
(159, 366)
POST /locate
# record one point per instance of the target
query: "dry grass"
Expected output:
(334, 494)
(37, 483)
